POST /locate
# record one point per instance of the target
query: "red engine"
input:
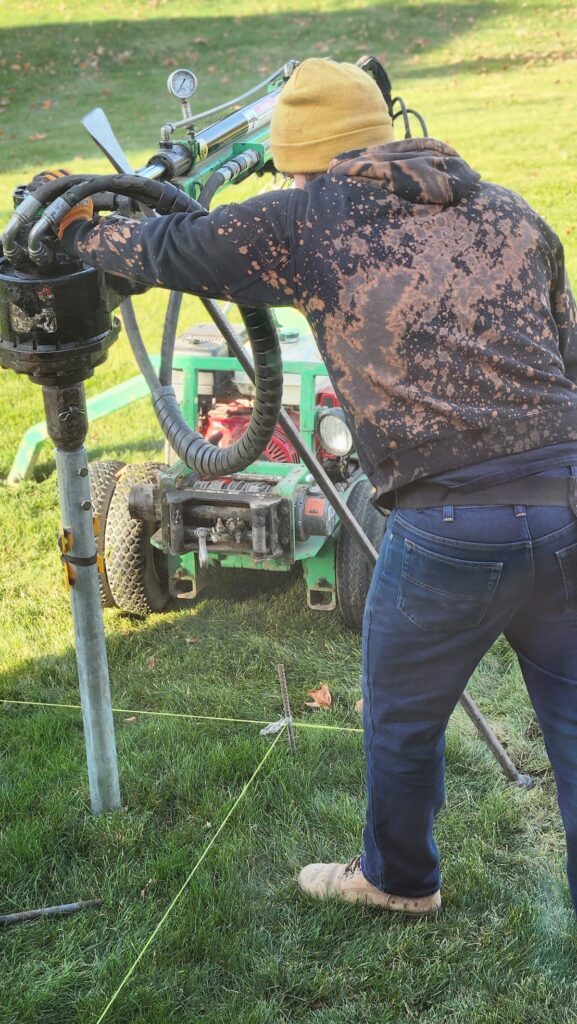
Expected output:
(227, 421)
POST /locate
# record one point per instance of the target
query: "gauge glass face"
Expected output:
(182, 83)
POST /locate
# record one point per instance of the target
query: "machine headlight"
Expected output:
(333, 432)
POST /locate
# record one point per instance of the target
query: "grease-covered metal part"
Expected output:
(56, 328)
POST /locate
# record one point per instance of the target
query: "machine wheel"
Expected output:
(103, 477)
(353, 570)
(137, 572)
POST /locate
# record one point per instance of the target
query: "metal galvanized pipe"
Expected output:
(66, 420)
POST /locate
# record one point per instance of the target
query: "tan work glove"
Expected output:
(84, 210)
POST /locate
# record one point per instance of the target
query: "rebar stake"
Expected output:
(287, 709)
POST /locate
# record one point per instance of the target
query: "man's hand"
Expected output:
(84, 210)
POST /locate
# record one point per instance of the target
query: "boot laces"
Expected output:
(353, 866)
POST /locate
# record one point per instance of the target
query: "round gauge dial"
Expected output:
(182, 83)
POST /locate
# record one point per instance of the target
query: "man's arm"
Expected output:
(565, 313)
(239, 251)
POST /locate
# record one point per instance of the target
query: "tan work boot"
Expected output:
(347, 882)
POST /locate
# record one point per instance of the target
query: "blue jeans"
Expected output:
(447, 583)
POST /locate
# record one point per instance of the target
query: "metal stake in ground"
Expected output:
(67, 424)
(287, 709)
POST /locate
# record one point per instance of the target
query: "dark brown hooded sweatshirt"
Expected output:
(439, 302)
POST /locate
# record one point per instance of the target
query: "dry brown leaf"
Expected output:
(151, 663)
(144, 892)
(359, 706)
(321, 698)
(192, 639)
(37, 137)
(130, 720)
(46, 104)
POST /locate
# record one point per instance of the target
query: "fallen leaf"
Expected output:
(144, 892)
(37, 137)
(130, 720)
(46, 104)
(192, 639)
(151, 663)
(321, 698)
(359, 706)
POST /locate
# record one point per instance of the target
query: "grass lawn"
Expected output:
(498, 80)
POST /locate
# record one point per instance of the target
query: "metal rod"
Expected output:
(349, 522)
(64, 908)
(497, 749)
(66, 421)
(288, 716)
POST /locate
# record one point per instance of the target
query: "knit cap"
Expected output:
(326, 109)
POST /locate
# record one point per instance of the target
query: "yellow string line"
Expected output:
(183, 714)
(168, 910)
(130, 711)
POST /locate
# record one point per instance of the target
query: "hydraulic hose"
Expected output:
(169, 337)
(194, 450)
(209, 459)
(216, 181)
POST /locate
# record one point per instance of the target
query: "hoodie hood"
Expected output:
(417, 170)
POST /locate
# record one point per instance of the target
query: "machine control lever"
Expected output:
(202, 533)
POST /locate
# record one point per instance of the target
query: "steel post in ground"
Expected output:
(66, 420)
(349, 523)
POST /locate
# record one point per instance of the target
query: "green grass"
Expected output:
(497, 80)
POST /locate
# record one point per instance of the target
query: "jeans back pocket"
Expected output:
(440, 593)
(567, 558)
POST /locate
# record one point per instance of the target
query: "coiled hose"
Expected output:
(194, 450)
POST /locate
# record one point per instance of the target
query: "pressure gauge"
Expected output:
(182, 84)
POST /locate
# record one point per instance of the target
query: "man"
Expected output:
(441, 308)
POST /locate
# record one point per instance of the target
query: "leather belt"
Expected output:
(545, 491)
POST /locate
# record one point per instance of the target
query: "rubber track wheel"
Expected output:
(103, 476)
(137, 573)
(353, 569)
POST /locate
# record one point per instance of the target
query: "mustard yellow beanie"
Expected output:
(325, 109)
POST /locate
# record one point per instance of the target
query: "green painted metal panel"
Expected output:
(320, 570)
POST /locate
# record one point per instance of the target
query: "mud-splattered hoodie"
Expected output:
(439, 302)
